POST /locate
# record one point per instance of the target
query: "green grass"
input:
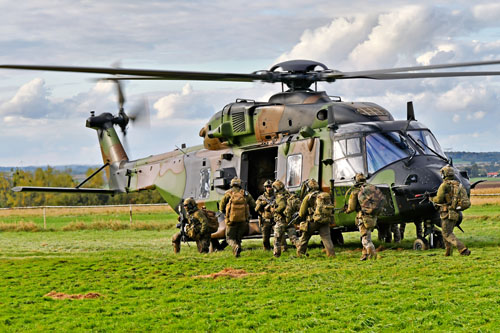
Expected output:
(145, 287)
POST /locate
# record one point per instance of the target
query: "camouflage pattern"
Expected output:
(263, 207)
(449, 216)
(309, 227)
(280, 226)
(296, 127)
(364, 222)
(235, 232)
(197, 230)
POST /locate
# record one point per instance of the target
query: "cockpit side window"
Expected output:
(347, 154)
(385, 148)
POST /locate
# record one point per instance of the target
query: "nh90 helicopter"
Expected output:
(300, 133)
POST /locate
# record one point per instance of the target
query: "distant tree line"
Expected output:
(463, 156)
(57, 178)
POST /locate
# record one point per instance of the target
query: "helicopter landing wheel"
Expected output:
(438, 240)
(420, 244)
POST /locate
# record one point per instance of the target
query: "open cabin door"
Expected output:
(298, 161)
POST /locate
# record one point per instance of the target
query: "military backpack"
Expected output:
(213, 222)
(323, 212)
(459, 198)
(237, 210)
(371, 200)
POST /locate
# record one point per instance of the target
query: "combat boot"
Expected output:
(448, 252)
(465, 252)
(364, 257)
(177, 247)
(237, 251)
(372, 253)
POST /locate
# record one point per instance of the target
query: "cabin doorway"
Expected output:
(257, 166)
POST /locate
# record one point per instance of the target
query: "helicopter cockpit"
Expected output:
(368, 151)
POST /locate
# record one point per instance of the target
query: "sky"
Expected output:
(42, 114)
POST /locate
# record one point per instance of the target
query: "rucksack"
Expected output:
(459, 199)
(213, 222)
(237, 207)
(292, 206)
(323, 212)
(371, 200)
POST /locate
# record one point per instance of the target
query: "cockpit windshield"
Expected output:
(385, 148)
(426, 141)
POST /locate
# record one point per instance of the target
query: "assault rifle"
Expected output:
(294, 220)
(423, 197)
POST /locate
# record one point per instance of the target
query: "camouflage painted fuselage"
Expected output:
(293, 137)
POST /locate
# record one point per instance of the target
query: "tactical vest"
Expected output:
(292, 206)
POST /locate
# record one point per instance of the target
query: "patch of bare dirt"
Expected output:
(229, 272)
(55, 295)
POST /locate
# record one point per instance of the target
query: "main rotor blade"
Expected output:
(423, 68)
(398, 76)
(160, 74)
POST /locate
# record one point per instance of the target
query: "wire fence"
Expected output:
(45, 208)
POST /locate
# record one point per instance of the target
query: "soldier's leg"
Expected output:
(292, 235)
(303, 241)
(266, 235)
(449, 237)
(176, 242)
(324, 233)
(383, 230)
(231, 237)
(279, 235)
(418, 229)
(242, 229)
(402, 227)
(204, 241)
(396, 233)
(372, 253)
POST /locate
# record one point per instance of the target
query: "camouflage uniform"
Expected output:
(449, 216)
(362, 220)
(309, 226)
(280, 226)
(292, 206)
(263, 207)
(196, 228)
(236, 231)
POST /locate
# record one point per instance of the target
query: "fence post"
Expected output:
(130, 213)
(44, 219)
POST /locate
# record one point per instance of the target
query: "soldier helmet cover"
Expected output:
(268, 183)
(447, 172)
(360, 178)
(189, 204)
(236, 182)
(313, 184)
(278, 185)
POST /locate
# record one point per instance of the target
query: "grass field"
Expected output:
(143, 286)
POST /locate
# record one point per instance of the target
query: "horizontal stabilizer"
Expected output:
(62, 189)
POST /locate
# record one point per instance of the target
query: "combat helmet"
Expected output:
(447, 172)
(360, 178)
(268, 183)
(190, 204)
(236, 182)
(278, 185)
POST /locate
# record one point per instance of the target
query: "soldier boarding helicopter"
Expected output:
(299, 134)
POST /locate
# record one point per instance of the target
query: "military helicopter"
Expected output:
(300, 133)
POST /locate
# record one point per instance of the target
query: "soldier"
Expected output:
(280, 227)
(365, 222)
(316, 213)
(292, 206)
(449, 212)
(197, 228)
(263, 207)
(236, 204)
